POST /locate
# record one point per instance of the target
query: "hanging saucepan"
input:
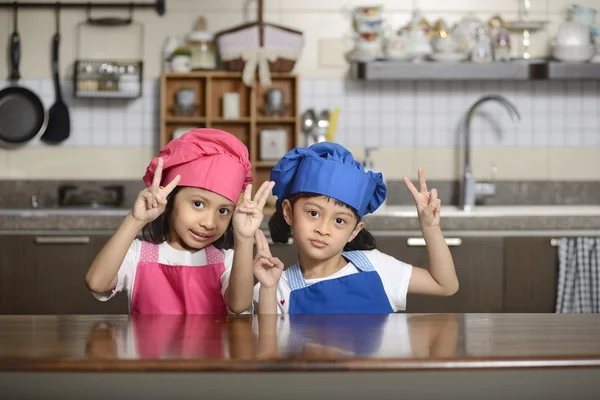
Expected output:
(22, 114)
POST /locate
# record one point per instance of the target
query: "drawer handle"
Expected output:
(62, 239)
(420, 242)
(272, 243)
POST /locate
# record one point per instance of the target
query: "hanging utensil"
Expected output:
(322, 126)
(59, 122)
(22, 114)
(309, 122)
(333, 124)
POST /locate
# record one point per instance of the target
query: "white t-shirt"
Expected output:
(394, 274)
(166, 255)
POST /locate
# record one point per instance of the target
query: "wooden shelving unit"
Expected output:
(209, 87)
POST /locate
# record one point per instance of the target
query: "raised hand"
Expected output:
(267, 268)
(248, 215)
(428, 204)
(152, 201)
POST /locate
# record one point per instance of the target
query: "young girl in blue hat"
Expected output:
(322, 196)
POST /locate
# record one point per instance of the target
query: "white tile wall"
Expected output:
(104, 122)
(383, 114)
(430, 114)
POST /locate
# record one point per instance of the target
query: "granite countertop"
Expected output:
(582, 218)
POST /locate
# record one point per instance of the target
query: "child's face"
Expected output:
(321, 227)
(199, 217)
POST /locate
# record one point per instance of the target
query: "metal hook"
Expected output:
(15, 16)
(57, 16)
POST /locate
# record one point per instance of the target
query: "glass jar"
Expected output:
(202, 46)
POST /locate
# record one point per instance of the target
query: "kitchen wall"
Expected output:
(413, 123)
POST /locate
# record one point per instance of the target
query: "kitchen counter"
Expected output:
(390, 219)
(540, 355)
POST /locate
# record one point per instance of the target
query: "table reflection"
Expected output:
(267, 337)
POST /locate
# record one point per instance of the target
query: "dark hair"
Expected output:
(156, 231)
(281, 231)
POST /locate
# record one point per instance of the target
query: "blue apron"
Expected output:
(360, 293)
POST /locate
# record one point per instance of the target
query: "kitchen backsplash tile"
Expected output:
(381, 114)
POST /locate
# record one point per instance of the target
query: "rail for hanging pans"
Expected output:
(158, 5)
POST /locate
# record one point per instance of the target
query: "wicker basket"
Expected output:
(281, 65)
(282, 44)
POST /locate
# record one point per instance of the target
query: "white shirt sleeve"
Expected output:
(228, 261)
(126, 273)
(395, 276)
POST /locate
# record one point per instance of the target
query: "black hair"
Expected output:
(157, 230)
(281, 231)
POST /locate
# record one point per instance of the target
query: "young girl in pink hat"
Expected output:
(196, 252)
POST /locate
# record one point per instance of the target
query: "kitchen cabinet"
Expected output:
(531, 269)
(45, 274)
(479, 266)
(287, 253)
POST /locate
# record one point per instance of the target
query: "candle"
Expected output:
(231, 105)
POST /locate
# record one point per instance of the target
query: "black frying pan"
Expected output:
(22, 114)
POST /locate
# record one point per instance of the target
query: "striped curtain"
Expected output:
(578, 275)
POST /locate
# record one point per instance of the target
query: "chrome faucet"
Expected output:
(469, 189)
(368, 160)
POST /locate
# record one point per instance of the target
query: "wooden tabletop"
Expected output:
(298, 343)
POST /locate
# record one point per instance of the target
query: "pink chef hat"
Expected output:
(205, 158)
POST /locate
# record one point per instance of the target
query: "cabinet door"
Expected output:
(46, 275)
(479, 267)
(531, 268)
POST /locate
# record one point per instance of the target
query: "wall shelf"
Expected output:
(210, 87)
(495, 71)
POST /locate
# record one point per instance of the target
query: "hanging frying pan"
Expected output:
(22, 114)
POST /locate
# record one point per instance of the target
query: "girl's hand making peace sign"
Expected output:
(248, 215)
(152, 201)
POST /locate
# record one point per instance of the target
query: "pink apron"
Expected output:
(177, 289)
(179, 336)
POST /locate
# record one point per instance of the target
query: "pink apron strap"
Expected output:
(149, 252)
(213, 255)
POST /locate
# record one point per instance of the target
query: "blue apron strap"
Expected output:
(360, 260)
(295, 277)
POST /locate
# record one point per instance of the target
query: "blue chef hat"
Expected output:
(330, 170)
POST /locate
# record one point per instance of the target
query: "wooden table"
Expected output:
(549, 356)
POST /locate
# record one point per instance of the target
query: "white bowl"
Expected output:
(573, 53)
(573, 34)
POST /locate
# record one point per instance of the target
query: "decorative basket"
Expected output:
(268, 47)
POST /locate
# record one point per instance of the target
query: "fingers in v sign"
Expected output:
(260, 198)
(152, 201)
(161, 192)
(427, 202)
(248, 215)
(267, 268)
